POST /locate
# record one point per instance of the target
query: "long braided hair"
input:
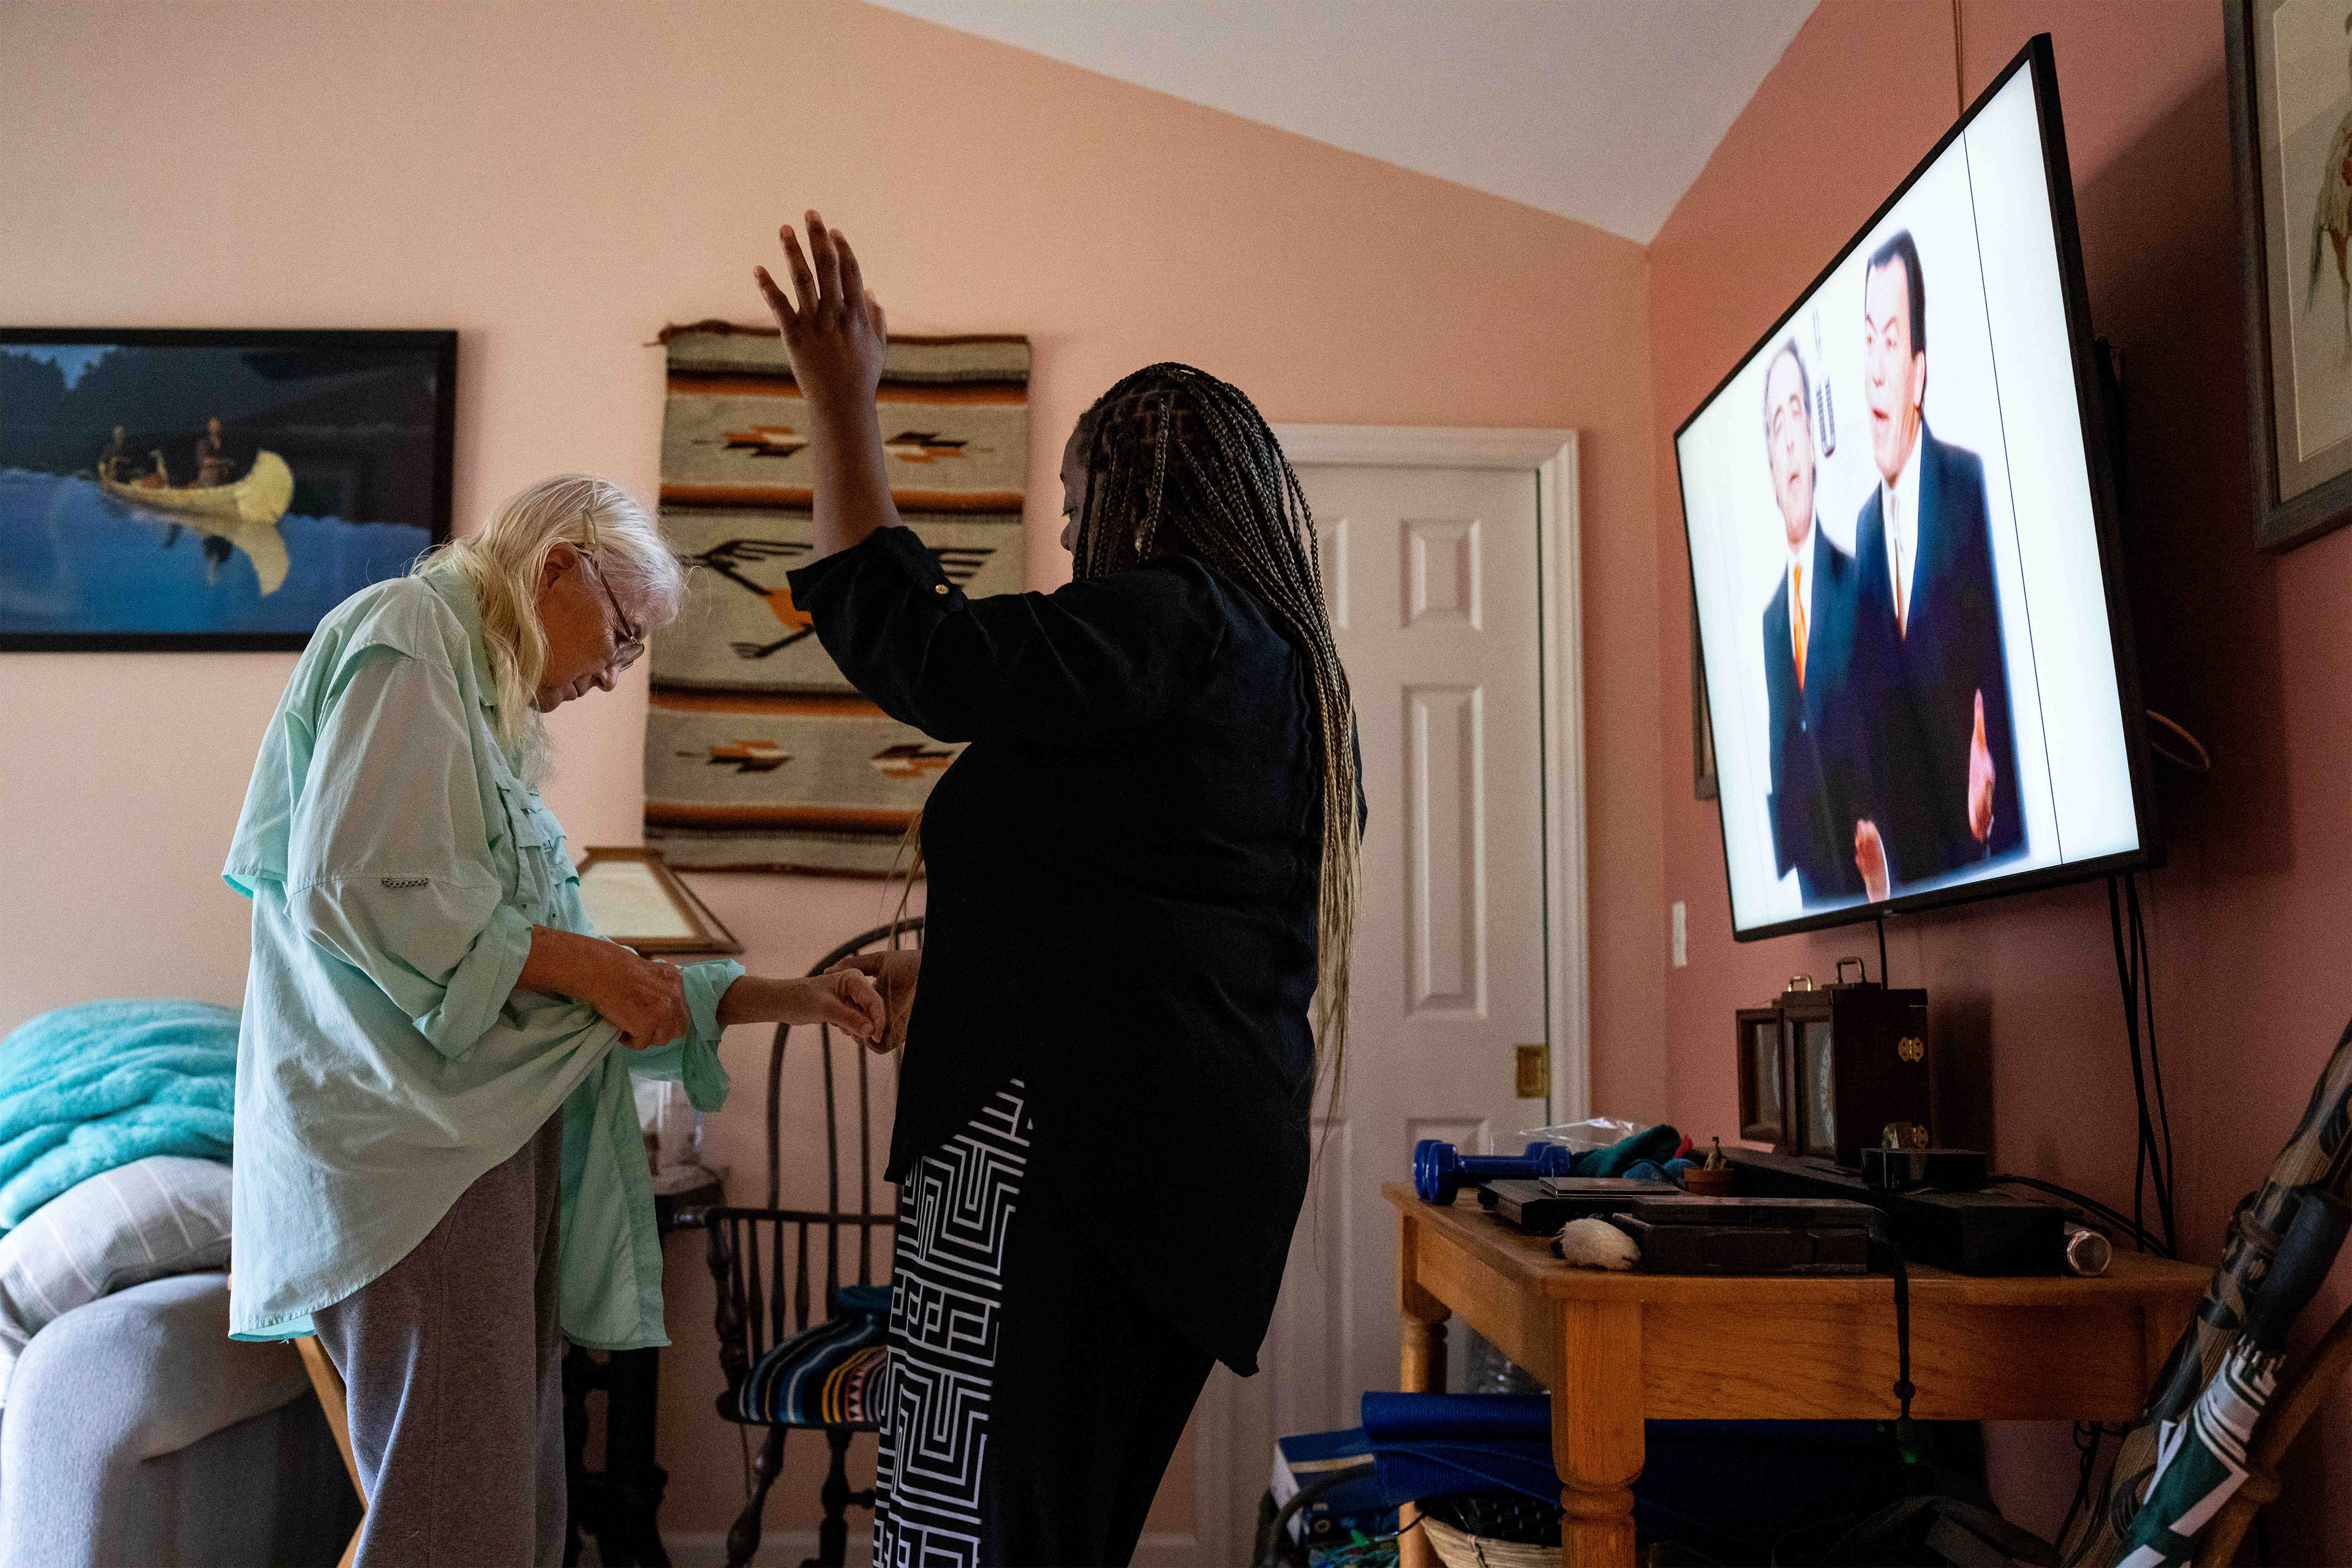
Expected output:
(1178, 460)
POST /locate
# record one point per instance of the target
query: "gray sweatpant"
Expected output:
(453, 1361)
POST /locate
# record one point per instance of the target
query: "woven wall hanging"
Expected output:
(758, 755)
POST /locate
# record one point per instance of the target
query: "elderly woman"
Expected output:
(426, 1076)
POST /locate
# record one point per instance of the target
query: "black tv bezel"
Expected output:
(441, 342)
(2038, 58)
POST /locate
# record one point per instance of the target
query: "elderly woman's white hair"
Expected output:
(504, 560)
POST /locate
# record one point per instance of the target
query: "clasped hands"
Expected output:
(644, 999)
(894, 974)
(867, 997)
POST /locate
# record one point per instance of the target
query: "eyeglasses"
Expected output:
(628, 641)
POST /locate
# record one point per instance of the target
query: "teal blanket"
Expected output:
(86, 1089)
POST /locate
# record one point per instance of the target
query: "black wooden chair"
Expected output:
(767, 1274)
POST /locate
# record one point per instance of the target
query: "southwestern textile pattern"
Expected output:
(828, 1375)
(955, 1210)
(758, 755)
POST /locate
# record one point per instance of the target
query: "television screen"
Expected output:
(1917, 663)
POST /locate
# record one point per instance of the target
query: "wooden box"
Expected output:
(1824, 1070)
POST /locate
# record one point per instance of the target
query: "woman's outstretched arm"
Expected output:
(836, 337)
(850, 1002)
(645, 998)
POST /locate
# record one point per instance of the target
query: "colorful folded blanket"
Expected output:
(88, 1087)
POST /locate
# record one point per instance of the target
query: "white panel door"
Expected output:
(1434, 577)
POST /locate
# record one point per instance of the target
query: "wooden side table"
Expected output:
(1619, 1349)
(620, 1504)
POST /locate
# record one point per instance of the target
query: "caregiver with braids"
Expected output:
(436, 1048)
(1139, 869)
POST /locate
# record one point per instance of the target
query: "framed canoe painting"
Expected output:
(184, 490)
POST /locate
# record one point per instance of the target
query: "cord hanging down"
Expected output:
(2153, 1157)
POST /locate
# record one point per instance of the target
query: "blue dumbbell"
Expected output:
(1439, 1170)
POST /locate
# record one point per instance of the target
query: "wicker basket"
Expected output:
(1458, 1550)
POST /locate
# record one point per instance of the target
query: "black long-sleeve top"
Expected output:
(1122, 904)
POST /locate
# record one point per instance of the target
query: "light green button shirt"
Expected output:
(396, 863)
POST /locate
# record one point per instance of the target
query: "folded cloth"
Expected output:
(1734, 1486)
(1396, 1418)
(1660, 1144)
(1444, 1445)
(88, 1087)
(1412, 1468)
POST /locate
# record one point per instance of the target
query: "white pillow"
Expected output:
(164, 1215)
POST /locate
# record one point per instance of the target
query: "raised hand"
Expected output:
(834, 332)
(1870, 858)
(834, 327)
(1979, 779)
(897, 973)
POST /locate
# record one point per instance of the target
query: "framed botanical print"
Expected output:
(2290, 68)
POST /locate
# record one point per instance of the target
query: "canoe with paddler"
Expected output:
(245, 514)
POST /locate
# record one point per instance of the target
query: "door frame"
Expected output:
(1551, 456)
(1226, 1481)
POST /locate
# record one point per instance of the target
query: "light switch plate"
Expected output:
(1681, 935)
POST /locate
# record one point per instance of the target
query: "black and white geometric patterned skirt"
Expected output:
(947, 1298)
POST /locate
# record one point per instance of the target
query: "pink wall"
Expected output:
(558, 180)
(2250, 652)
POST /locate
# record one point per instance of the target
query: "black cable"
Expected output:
(2088, 1435)
(2088, 1462)
(2154, 1061)
(1906, 1438)
(2130, 968)
(2147, 1240)
(2159, 1160)
(1882, 952)
(2131, 1033)
(1889, 1256)
(1270, 1531)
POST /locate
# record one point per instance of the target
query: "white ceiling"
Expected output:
(1601, 111)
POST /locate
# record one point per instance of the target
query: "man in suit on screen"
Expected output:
(1808, 632)
(1942, 794)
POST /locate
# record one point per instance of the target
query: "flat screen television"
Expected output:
(1915, 638)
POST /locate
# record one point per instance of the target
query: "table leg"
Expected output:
(618, 1506)
(1421, 1368)
(1596, 1431)
(636, 1482)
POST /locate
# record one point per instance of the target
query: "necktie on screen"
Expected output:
(1797, 601)
(1895, 549)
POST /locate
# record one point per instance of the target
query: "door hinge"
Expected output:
(1534, 1071)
